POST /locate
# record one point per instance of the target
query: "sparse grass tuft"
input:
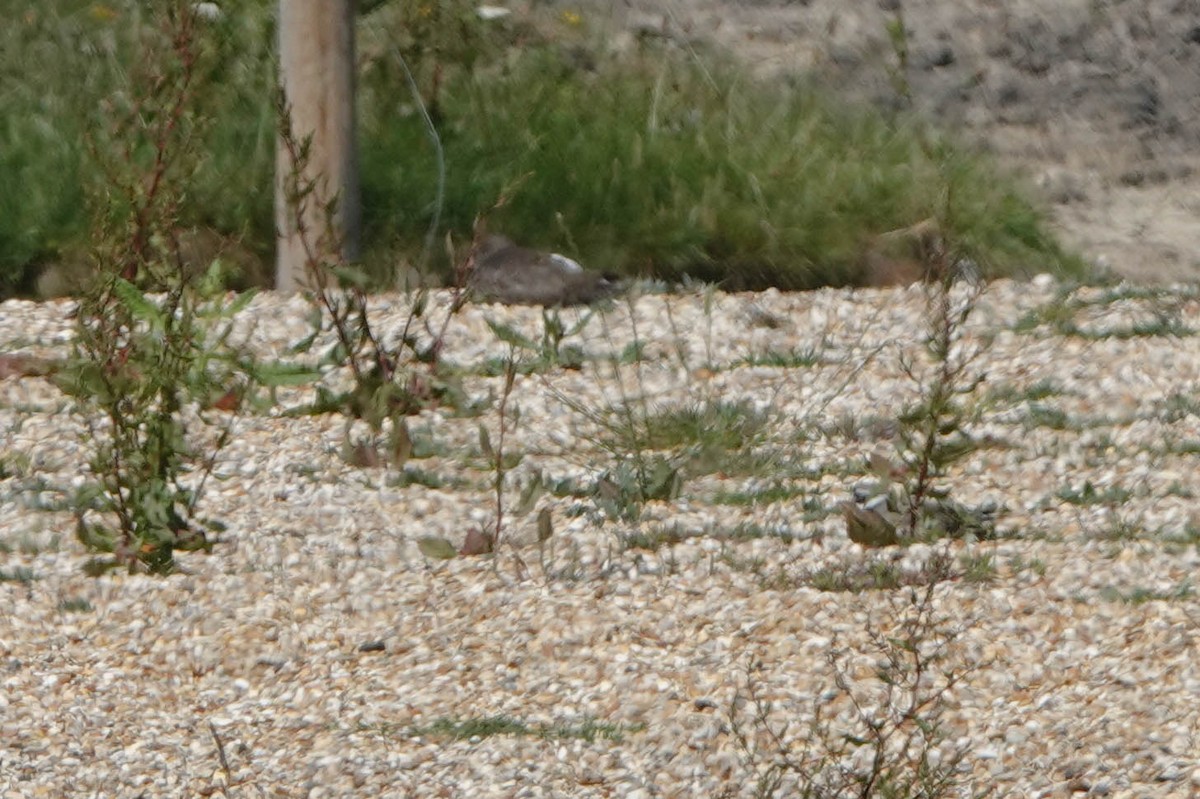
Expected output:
(1089, 494)
(1040, 415)
(1140, 596)
(878, 573)
(768, 494)
(1018, 564)
(978, 567)
(456, 729)
(652, 538)
(1122, 312)
(18, 574)
(795, 358)
(1009, 394)
(702, 438)
(75, 605)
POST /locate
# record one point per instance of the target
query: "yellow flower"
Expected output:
(572, 18)
(424, 11)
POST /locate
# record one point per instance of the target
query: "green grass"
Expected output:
(701, 437)
(1011, 394)
(1118, 529)
(456, 729)
(1178, 407)
(644, 161)
(411, 475)
(1040, 415)
(653, 538)
(64, 65)
(1035, 566)
(714, 425)
(1140, 596)
(978, 567)
(776, 492)
(18, 574)
(797, 357)
(856, 427)
(658, 162)
(880, 574)
(75, 605)
(749, 531)
(1089, 494)
(1160, 312)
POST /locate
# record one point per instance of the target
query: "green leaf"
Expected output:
(240, 302)
(662, 481)
(485, 443)
(336, 355)
(529, 495)
(545, 526)
(315, 320)
(400, 443)
(436, 547)
(136, 303)
(510, 335)
(351, 277)
(80, 379)
(553, 325)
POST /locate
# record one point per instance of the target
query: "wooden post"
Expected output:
(316, 70)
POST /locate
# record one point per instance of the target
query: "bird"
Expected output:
(513, 275)
(871, 523)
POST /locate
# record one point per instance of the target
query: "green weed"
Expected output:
(456, 729)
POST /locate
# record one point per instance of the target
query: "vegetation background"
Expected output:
(631, 147)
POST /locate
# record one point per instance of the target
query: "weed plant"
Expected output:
(152, 366)
(879, 736)
(388, 383)
(908, 503)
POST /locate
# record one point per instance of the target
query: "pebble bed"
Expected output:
(316, 652)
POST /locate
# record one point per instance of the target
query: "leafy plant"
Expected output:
(550, 351)
(907, 503)
(152, 366)
(387, 383)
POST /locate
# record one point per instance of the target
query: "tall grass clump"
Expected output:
(657, 160)
(672, 162)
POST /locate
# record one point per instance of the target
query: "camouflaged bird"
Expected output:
(516, 275)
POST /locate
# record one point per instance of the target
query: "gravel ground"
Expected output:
(315, 651)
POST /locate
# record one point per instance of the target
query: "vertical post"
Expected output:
(316, 71)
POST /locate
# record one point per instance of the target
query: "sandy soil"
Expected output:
(1096, 101)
